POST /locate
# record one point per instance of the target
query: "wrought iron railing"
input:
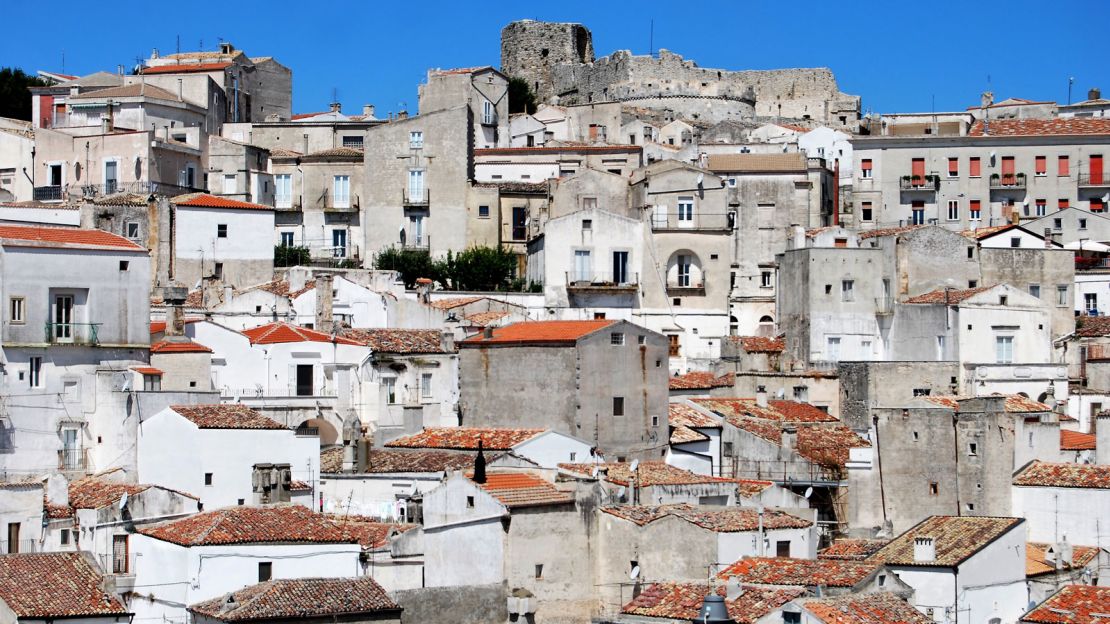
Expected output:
(72, 333)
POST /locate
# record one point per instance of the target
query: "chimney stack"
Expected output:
(447, 341)
(761, 396)
(1094, 94)
(924, 550)
(368, 110)
(789, 437)
(1102, 438)
(1049, 239)
(336, 107)
(325, 301)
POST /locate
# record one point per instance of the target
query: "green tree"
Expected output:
(412, 264)
(287, 256)
(15, 95)
(479, 268)
(521, 97)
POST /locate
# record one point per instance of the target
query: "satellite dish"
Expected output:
(701, 177)
(635, 573)
(126, 385)
(593, 473)
(620, 492)
(635, 465)
(123, 501)
(809, 492)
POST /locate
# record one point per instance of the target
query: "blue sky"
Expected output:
(899, 56)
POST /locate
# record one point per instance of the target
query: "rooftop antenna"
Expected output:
(1071, 81)
(178, 47)
(651, 39)
(64, 69)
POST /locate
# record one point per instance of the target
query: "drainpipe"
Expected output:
(879, 461)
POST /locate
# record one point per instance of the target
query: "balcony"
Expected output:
(688, 287)
(925, 184)
(89, 191)
(73, 460)
(884, 306)
(349, 204)
(418, 241)
(586, 283)
(1098, 180)
(287, 204)
(415, 197)
(48, 193)
(73, 333)
(18, 546)
(115, 565)
(696, 222)
(1005, 182)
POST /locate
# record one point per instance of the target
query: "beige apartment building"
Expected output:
(1002, 170)
(318, 200)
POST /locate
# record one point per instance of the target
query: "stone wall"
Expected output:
(482, 604)
(530, 50)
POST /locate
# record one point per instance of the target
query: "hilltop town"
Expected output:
(611, 339)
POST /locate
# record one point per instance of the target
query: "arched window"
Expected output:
(766, 326)
(684, 270)
(733, 326)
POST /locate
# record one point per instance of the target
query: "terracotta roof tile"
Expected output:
(719, 520)
(204, 200)
(1092, 326)
(1015, 403)
(1045, 474)
(70, 238)
(649, 473)
(466, 438)
(1037, 561)
(455, 302)
(950, 296)
(684, 415)
(296, 599)
(682, 601)
(225, 416)
(138, 89)
(178, 346)
(823, 444)
(852, 549)
(891, 231)
(47, 586)
(148, 370)
(399, 340)
(157, 327)
(682, 434)
(1076, 441)
(984, 232)
(282, 288)
(485, 319)
(184, 68)
(280, 152)
(516, 490)
(760, 344)
(1042, 127)
(803, 572)
(547, 332)
(871, 608)
(955, 538)
(749, 488)
(559, 149)
(698, 380)
(94, 492)
(343, 153)
(420, 461)
(250, 525)
(331, 460)
(282, 332)
(1074, 604)
(776, 410)
(757, 163)
(369, 532)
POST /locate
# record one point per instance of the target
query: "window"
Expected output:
(354, 142)
(265, 571)
(1004, 349)
(801, 393)
(470, 502)
(16, 310)
(231, 184)
(339, 243)
(934, 488)
(426, 385)
(489, 114)
(539, 570)
(641, 340)
(221, 230)
(975, 167)
(1082, 224)
(283, 190)
(685, 212)
(208, 478)
(1097, 205)
(1090, 303)
(119, 554)
(1015, 241)
(1063, 166)
(782, 548)
(847, 290)
(865, 167)
(683, 266)
(34, 368)
(587, 224)
(620, 267)
(833, 349)
(132, 229)
(416, 139)
(520, 228)
(483, 212)
(152, 383)
(218, 270)
(1040, 165)
(865, 211)
(921, 392)
(673, 344)
(970, 253)
(1035, 290)
(1042, 207)
(287, 239)
(616, 339)
(974, 208)
(791, 617)
(732, 182)
(123, 264)
(618, 406)
(341, 191)
(972, 448)
(953, 167)
(953, 210)
(63, 537)
(390, 384)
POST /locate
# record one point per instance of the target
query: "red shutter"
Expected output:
(1096, 168)
(1063, 203)
(975, 167)
(1007, 169)
(918, 171)
(46, 110)
(953, 167)
(1096, 205)
(865, 164)
(975, 206)
(1041, 165)
(1064, 166)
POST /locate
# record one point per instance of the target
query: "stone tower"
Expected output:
(530, 49)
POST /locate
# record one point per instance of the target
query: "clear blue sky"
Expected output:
(900, 56)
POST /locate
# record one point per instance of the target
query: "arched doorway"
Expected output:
(327, 432)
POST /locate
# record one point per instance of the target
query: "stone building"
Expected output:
(530, 49)
(318, 203)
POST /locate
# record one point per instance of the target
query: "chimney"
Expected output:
(789, 437)
(368, 110)
(924, 550)
(105, 125)
(403, 115)
(447, 341)
(761, 396)
(154, 53)
(1094, 94)
(213, 291)
(336, 107)
(174, 296)
(1102, 438)
(797, 237)
(480, 465)
(325, 301)
(1049, 239)
(487, 334)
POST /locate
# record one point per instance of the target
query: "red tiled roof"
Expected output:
(777, 410)
(185, 346)
(184, 68)
(282, 332)
(70, 238)
(698, 380)
(719, 520)
(984, 232)
(684, 415)
(1092, 326)
(948, 296)
(823, 444)
(1015, 403)
(1076, 441)
(871, 608)
(852, 549)
(955, 538)
(297, 599)
(685, 435)
(399, 340)
(1074, 604)
(204, 200)
(94, 492)
(891, 231)
(466, 438)
(298, 116)
(369, 532)
(1037, 561)
(404, 460)
(48, 586)
(648, 473)
(682, 601)
(547, 332)
(148, 370)
(804, 572)
(516, 490)
(1042, 127)
(760, 344)
(485, 319)
(157, 327)
(749, 488)
(454, 302)
(225, 416)
(350, 153)
(250, 525)
(282, 288)
(1045, 474)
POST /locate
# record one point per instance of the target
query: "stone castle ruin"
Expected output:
(557, 59)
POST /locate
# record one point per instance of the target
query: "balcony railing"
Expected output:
(111, 188)
(73, 333)
(48, 193)
(421, 197)
(308, 431)
(690, 287)
(417, 242)
(73, 459)
(601, 282)
(929, 183)
(287, 204)
(1008, 181)
(699, 222)
(18, 546)
(1098, 180)
(115, 565)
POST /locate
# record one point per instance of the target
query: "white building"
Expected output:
(17, 141)
(227, 455)
(695, 439)
(543, 447)
(219, 237)
(1061, 501)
